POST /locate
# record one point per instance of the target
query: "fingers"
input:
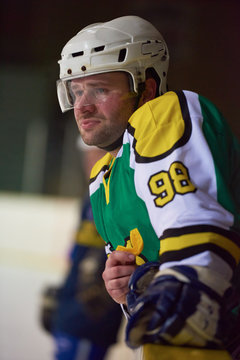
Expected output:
(119, 267)
(118, 290)
(119, 264)
(120, 258)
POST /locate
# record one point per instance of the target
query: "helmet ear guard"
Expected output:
(130, 44)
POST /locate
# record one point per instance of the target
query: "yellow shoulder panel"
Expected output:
(101, 164)
(87, 235)
(158, 125)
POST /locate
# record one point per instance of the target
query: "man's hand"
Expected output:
(119, 267)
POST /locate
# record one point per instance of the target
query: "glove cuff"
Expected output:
(139, 281)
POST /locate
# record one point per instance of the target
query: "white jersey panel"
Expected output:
(205, 258)
(95, 185)
(196, 157)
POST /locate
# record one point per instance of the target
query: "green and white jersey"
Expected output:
(172, 193)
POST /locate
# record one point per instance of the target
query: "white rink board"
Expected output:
(35, 237)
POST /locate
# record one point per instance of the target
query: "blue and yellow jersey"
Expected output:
(171, 194)
(84, 308)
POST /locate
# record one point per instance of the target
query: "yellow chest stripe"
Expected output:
(106, 181)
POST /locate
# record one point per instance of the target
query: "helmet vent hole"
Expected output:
(122, 55)
(99, 48)
(79, 53)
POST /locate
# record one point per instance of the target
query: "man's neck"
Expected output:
(114, 152)
(114, 147)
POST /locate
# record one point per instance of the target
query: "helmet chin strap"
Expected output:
(141, 88)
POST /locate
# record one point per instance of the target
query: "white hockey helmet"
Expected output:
(129, 43)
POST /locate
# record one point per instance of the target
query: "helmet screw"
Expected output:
(83, 68)
(69, 71)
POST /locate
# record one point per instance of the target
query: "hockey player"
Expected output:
(165, 197)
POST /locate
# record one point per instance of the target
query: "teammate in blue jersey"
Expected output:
(86, 320)
(80, 315)
(165, 197)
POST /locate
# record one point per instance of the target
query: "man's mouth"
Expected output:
(90, 123)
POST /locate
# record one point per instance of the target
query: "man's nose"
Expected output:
(86, 100)
(84, 107)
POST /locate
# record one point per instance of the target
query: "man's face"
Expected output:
(102, 107)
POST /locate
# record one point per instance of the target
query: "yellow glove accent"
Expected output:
(164, 352)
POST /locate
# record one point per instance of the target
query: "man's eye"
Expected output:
(100, 91)
(78, 93)
(74, 94)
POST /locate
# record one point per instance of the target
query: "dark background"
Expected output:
(38, 152)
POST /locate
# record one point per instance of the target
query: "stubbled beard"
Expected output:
(104, 138)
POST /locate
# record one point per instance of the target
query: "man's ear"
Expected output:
(149, 91)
